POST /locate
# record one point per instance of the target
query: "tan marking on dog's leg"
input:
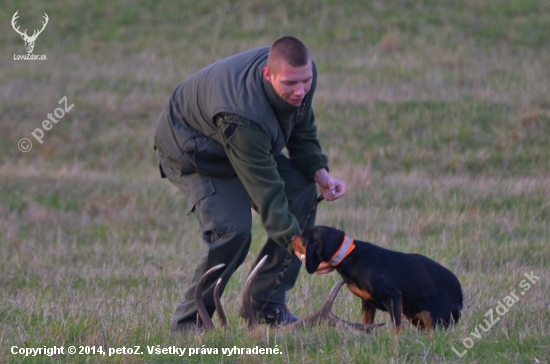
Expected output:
(426, 319)
(412, 319)
(367, 314)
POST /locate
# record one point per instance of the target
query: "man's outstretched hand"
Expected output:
(331, 188)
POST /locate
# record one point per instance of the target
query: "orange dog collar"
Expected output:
(346, 248)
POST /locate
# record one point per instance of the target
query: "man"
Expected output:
(219, 140)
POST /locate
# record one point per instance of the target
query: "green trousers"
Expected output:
(223, 210)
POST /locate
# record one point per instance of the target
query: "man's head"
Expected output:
(289, 69)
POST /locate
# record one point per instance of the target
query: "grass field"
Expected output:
(436, 114)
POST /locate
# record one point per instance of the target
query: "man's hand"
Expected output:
(323, 268)
(331, 188)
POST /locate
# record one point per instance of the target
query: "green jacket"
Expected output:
(227, 119)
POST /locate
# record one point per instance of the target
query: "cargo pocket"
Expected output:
(197, 193)
(169, 169)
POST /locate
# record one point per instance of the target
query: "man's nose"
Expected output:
(299, 90)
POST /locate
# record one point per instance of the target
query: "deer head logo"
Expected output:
(29, 41)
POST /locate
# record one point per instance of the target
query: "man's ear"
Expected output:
(267, 74)
(314, 251)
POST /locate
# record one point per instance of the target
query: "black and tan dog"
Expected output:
(427, 293)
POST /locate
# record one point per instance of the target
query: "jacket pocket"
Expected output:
(207, 157)
(169, 169)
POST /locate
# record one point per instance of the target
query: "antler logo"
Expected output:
(29, 41)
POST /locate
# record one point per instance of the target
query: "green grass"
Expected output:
(435, 113)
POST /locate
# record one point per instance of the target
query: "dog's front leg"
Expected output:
(393, 306)
(368, 313)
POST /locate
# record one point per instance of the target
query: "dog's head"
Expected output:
(318, 244)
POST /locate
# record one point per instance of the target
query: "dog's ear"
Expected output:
(314, 256)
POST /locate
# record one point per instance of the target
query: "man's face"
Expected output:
(291, 83)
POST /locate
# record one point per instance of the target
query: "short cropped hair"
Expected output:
(290, 50)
